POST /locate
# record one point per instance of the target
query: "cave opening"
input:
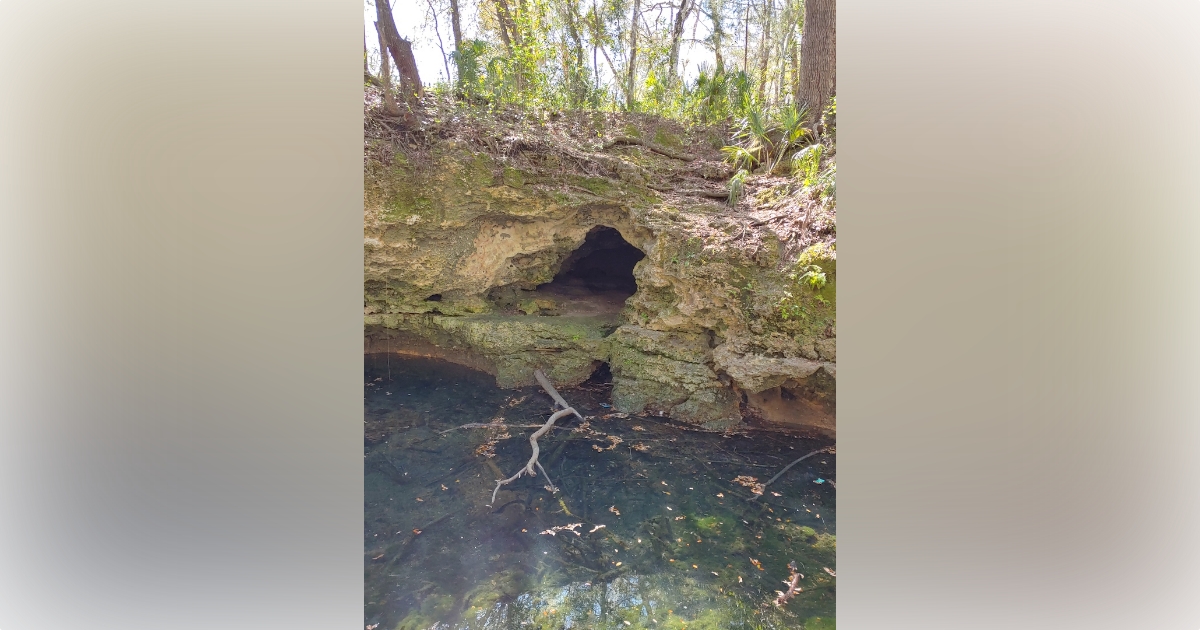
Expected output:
(602, 375)
(600, 267)
(594, 279)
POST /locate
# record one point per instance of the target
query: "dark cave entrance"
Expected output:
(593, 280)
(602, 264)
(598, 276)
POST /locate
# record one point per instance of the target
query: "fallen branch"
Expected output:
(701, 192)
(533, 459)
(490, 425)
(827, 449)
(545, 383)
(793, 583)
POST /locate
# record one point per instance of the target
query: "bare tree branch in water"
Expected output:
(533, 460)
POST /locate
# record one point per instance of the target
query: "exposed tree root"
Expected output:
(533, 460)
(661, 150)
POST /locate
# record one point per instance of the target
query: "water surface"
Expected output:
(647, 529)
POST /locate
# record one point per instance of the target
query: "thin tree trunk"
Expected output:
(401, 49)
(385, 74)
(685, 7)
(508, 27)
(746, 46)
(796, 25)
(595, 47)
(598, 43)
(368, 77)
(629, 92)
(818, 60)
(575, 73)
(766, 49)
(613, 69)
(456, 26)
(573, 31)
(715, 8)
(503, 24)
(785, 42)
(437, 32)
(595, 68)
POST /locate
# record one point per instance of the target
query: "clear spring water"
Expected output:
(666, 538)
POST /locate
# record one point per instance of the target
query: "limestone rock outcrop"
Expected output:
(509, 263)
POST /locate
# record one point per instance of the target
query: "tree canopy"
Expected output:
(701, 60)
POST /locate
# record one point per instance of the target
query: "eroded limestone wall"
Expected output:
(716, 330)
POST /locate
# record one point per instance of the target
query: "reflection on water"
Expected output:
(648, 529)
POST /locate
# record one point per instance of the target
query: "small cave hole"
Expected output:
(436, 297)
(601, 376)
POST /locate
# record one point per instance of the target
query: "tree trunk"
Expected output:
(503, 24)
(595, 38)
(369, 78)
(685, 7)
(637, 7)
(456, 25)
(613, 69)
(765, 57)
(576, 72)
(385, 75)
(817, 56)
(508, 28)
(715, 8)
(795, 50)
(746, 46)
(437, 31)
(402, 54)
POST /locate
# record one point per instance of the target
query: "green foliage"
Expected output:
(807, 163)
(467, 62)
(820, 623)
(791, 308)
(571, 54)
(812, 275)
(765, 137)
(827, 184)
(740, 157)
(716, 96)
(818, 179)
(830, 116)
(793, 130)
(737, 187)
(754, 133)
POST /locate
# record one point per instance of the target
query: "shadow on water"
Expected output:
(648, 529)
